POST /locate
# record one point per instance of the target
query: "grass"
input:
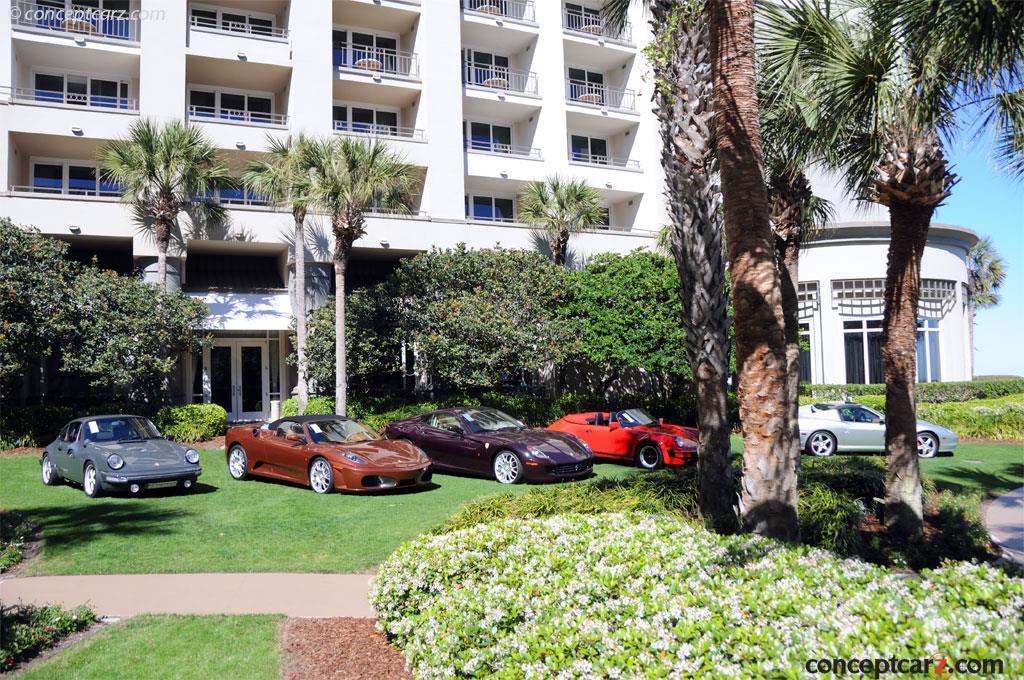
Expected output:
(985, 468)
(224, 525)
(171, 647)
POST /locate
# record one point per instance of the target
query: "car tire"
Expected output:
(321, 476)
(238, 463)
(649, 457)
(927, 445)
(49, 473)
(91, 481)
(821, 444)
(507, 467)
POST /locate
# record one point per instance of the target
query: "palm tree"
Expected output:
(284, 178)
(164, 170)
(682, 70)
(561, 207)
(892, 80)
(349, 177)
(986, 272)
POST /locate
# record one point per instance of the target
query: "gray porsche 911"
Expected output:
(105, 453)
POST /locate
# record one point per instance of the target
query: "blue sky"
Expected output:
(992, 204)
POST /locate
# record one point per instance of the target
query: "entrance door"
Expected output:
(239, 378)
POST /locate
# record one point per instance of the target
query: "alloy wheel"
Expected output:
(507, 468)
(321, 479)
(821, 444)
(47, 471)
(927, 446)
(90, 483)
(237, 463)
(649, 457)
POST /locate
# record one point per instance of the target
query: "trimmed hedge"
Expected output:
(191, 423)
(933, 392)
(630, 595)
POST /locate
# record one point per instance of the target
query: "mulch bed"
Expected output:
(22, 449)
(339, 649)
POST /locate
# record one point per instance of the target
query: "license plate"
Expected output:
(161, 485)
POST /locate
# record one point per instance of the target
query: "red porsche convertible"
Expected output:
(632, 435)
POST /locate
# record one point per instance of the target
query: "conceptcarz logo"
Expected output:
(40, 14)
(937, 667)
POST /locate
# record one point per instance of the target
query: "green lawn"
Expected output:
(224, 525)
(991, 468)
(171, 648)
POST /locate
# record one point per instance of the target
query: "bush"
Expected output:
(26, 630)
(36, 425)
(961, 534)
(830, 519)
(315, 406)
(639, 596)
(192, 423)
(14, 530)
(934, 392)
(861, 477)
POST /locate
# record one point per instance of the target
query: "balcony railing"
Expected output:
(595, 25)
(78, 20)
(500, 78)
(581, 92)
(598, 159)
(519, 151)
(239, 197)
(113, 192)
(376, 60)
(394, 212)
(238, 27)
(92, 101)
(512, 9)
(388, 131)
(236, 116)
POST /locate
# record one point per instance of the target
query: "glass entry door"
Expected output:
(239, 378)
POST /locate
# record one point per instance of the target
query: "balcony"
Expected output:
(598, 160)
(78, 20)
(590, 23)
(376, 61)
(520, 10)
(600, 96)
(379, 131)
(104, 191)
(500, 149)
(500, 78)
(201, 113)
(237, 28)
(29, 95)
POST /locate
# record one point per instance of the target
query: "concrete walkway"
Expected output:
(303, 595)
(1004, 519)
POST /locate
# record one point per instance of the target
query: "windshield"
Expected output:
(120, 429)
(490, 420)
(338, 431)
(634, 417)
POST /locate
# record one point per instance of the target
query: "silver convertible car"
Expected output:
(827, 428)
(104, 453)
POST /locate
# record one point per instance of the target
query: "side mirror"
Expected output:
(454, 429)
(614, 425)
(297, 438)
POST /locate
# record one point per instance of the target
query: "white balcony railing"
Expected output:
(236, 116)
(112, 193)
(386, 131)
(92, 101)
(77, 20)
(376, 60)
(581, 92)
(601, 160)
(239, 28)
(519, 151)
(522, 10)
(500, 78)
(593, 24)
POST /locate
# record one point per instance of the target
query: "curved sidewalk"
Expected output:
(1004, 519)
(300, 595)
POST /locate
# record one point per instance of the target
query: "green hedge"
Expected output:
(630, 595)
(192, 423)
(933, 392)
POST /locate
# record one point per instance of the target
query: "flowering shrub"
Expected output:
(629, 595)
(26, 630)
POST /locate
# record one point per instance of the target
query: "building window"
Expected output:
(363, 50)
(928, 350)
(80, 90)
(487, 69)
(257, 108)
(805, 353)
(589, 149)
(196, 392)
(490, 209)
(862, 341)
(77, 178)
(488, 137)
(364, 120)
(858, 297)
(586, 86)
(232, 20)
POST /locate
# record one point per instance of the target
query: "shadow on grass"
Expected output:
(965, 478)
(68, 527)
(397, 491)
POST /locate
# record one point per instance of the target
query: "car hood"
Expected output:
(559, 446)
(145, 453)
(670, 430)
(376, 452)
(937, 429)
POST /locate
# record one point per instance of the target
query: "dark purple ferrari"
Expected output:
(488, 442)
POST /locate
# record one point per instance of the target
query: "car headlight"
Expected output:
(537, 453)
(115, 462)
(192, 456)
(680, 443)
(355, 458)
(585, 446)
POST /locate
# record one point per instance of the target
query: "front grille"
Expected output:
(572, 468)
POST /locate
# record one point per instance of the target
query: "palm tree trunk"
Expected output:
(970, 335)
(560, 247)
(683, 105)
(340, 263)
(162, 235)
(300, 306)
(903, 503)
(768, 494)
